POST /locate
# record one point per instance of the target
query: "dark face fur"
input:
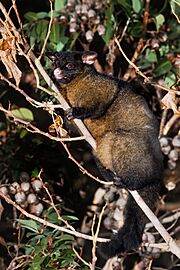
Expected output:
(68, 65)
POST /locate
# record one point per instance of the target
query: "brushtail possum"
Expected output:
(126, 134)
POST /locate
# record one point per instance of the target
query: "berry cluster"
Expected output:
(26, 193)
(171, 148)
(85, 16)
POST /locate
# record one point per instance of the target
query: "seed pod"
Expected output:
(121, 202)
(108, 223)
(161, 82)
(91, 13)
(84, 9)
(20, 197)
(176, 141)
(156, 252)
(89, 35)
(177, 63)
(148, 238)
(171, 164)
(25, 186)
(101, 29)
(31, 198)
(78, 9)
(24, 177)
(36, 209)
(163, 141)
(24, 204)
(109, 196)
(170, 185)
(73, 20)
(72, 27)
(14, 188)
(163, 37)
(83, 18)
(37, 185)
(173, 155)
(154, 43)
(97, 20)
(166, 149)
(4, 190)
(63, 18)
(118, 217)
(70, 3)
(98, 5)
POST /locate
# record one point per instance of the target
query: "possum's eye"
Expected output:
(70, 65)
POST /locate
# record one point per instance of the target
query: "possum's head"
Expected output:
(68, 65)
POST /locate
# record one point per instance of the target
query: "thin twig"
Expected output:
(173, 247)
(146, 16)
(17, 14)
(140, 73)
(53, 205)
(80, 258)
(170, 123)
(84, 171)
(162, 123)
(47, 223)
(49, 30)
(34, 102)
(95, 237)
(31, 128)
(11, 267)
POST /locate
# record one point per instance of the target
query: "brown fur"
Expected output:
(126, 133)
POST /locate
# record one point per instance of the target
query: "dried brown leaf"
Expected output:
(8, 57)
(169, 101)
(1, 209)
(57, 127)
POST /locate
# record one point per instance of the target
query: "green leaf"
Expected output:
(164, 49)
(163, 67)
(55, 14)
(53, 217)
(23, 113)
(126, 6)
(69, 217)
(137, 5)
(41, 30)
(64, 263)
(151, 56)
(35, 173)
(37, 261)
(41, 15)
(59, 5)
(66, 237)
(159, 21)
(175, 7)
(31, 16)
(23, 133)
(33, 35)
(62, 43)
(136, 29)
(55, 33)
(110, 23)
(29, 224)
(170, 79)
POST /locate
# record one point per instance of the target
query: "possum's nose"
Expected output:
(58, 73)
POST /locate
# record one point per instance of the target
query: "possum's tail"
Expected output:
(129, 237)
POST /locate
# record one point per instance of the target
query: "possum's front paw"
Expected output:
(69, 114)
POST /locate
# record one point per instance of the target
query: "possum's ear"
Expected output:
(52, 56)
(89, 57)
